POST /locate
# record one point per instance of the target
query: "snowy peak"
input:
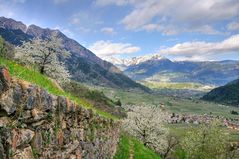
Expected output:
(135, 60)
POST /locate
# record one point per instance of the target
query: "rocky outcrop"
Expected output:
(36, 124)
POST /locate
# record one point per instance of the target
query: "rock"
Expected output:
(62, 104)
(60, 137)
(46, 100)
(37, 142)
(6, 102)
(4, 121)
(21, 137)
(31, 101)
(2, 151)
(5, 80)
(37, 114)
(26, 153)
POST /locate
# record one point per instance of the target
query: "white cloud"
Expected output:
(6, 11)
(111, 2)
(189, 15)
(107, 48)
(108, 31)
(203, 50)
(233, 26)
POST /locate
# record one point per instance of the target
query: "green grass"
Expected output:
(130, 145)
(123, 149)
(27, 74)
(172, 104)
(180, 129)
(173, 85)
(142, 152)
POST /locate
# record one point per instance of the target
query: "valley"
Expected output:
(60, 99)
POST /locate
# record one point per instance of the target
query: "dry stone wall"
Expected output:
(36, 124)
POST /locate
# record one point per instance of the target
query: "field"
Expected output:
(176, 105)
(172, 104)
(174, 85)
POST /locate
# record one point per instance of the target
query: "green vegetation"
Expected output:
(173, 104)
(35, 77)
(6, 49)
(123, 149)
(175, 85)
(228, 94)
(95, 97)
(131, 147)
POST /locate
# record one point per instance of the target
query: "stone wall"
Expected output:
(36, 124)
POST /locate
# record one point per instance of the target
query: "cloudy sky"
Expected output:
(177, 29)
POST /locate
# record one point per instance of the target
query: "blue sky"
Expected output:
(180, 30)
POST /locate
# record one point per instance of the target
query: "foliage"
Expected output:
(208, 141)
(234, 112)
(228, 94)
(45, 55)
(147, 124)
(6, 49)
(95, 97)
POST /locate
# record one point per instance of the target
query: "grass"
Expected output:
(142, 152)
(180, 129)
(123, 149)
(172, 104)
(27, 74)
(174, 85)
(131, 146)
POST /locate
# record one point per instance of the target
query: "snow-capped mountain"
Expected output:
(119, 62)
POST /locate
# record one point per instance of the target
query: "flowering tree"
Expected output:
(207, 141)
(45, 54)
(147, 124)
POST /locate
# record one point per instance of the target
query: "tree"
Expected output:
(147, 124)
(45, 55)
(6, 49)
(207, 141)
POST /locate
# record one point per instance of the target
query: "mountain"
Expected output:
(84, 66)
(159, 69)
(228, 94)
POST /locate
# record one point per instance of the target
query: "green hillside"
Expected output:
(27, 74)
(228, 94)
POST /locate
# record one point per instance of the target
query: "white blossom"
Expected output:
(45, 55)
(147, 124)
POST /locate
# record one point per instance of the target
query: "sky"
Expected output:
(176, 29)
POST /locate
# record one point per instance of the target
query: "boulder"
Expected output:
(26, 153)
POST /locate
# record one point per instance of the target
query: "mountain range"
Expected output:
(83, 65)
(160, 69)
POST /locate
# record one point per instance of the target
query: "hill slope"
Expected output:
(228, 94)
(83, 65)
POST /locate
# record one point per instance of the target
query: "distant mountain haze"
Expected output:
(160, 69)
(84, 66)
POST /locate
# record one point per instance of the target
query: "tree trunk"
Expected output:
(42, 70)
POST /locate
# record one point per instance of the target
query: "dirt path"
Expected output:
(131, 151)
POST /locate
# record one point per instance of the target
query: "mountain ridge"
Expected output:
(83, 65)
(162, 69)
(227, 94)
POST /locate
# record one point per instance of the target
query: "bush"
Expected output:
(6, 49)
